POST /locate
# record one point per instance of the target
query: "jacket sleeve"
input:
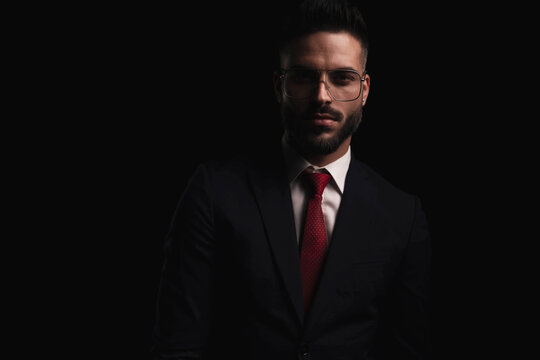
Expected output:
(183, 305)
(409, 305)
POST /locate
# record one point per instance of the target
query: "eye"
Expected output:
(343, 78)
(302, 76)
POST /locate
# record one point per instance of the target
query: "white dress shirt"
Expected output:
(331, 198)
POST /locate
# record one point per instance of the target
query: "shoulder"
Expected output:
(240, 166)
(234, 174)
(225, 170)
(384, 186)
(217, 176)
(388, 200)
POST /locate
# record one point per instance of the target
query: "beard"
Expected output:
(313, 140)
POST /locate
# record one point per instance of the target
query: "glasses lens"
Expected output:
(301, 83)
(344, 85)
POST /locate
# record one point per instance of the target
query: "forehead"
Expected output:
(324, 50)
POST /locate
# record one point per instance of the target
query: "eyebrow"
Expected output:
(302, 67)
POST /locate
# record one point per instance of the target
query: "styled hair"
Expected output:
(306, 17)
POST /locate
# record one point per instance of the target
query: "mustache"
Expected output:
(325, 109)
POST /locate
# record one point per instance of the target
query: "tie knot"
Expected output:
(317, 181)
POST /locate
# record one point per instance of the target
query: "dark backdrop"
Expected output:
(165, 88)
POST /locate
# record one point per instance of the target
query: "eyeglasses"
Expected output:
(341, 84)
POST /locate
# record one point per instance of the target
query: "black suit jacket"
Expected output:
(231, 285)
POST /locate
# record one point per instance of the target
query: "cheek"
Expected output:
(352, 108)
(342, 108)
(294, 106)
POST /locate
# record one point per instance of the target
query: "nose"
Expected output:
(323, 93)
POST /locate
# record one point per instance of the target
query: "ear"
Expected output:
(278, 86)
(365, 90)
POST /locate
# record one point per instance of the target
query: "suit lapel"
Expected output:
(351, 239)
(273, 196)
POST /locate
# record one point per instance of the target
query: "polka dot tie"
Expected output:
(313, 246)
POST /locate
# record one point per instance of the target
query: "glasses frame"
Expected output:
(325, 71)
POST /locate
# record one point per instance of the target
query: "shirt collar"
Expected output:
(296, 164)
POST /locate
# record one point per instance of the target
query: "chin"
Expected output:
(323, 134)
(321, 144)
(324, 131)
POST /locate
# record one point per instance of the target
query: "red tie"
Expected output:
(313, 244)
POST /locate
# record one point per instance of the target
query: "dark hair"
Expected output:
(310, 16)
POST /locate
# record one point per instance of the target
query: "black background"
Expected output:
(142, 94)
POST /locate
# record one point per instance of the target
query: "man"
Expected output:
(305, 253)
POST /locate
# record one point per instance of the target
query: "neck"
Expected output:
(322, 160)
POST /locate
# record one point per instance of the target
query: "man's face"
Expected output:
(318, 124)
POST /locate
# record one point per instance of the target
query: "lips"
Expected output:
(323, 119)
(324, 116)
